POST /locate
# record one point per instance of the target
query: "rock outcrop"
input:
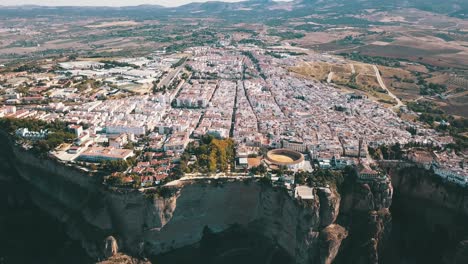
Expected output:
(423, 184)
(353, 225)
(429, 217)
(365, 212)
(150, 224)
(110, 247)
(123, 259)
(329, 205)
(331, 238)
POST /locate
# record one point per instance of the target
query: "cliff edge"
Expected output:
(150, 224)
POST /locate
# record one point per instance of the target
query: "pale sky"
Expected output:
(101, 2)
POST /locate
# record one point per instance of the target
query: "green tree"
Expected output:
(115, 165)
(136, 181)
(115, 180)
(212, 165)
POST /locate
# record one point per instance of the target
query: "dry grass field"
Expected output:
(401, 82)
(129, 23)
(350, 76)
(317, 70)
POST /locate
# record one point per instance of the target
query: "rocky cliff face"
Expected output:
(423, 184)
(429, 217)
(365, 212)
(331, 238)
(422, 221)
(123, 259)
(23, 226)
(149, 224)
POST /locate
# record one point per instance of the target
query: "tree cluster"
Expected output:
(115, 165)
(52, 141)
(385, 152)
(430, 88)
(259, 170)
(212, 155)
(58, 132)
(179, 63)
(321, 177)
(119, 180)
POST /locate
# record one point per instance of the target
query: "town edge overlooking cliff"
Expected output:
(247, 132)
(311, 231)
(150, 224)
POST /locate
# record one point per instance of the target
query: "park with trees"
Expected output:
(212, 155)
(58, 132)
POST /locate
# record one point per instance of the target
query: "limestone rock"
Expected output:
(150, 224)
(110, 247)
(372, 196)
(124, 259)
(329, 205)
(379, 226)
(330, 242)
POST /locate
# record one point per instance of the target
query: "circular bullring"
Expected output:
(284, 157)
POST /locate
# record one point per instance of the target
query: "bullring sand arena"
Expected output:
(281, 158)
(284, 157)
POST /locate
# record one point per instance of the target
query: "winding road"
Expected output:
(383, 86)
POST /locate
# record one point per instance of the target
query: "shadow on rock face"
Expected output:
(28, 235)
(235, 245)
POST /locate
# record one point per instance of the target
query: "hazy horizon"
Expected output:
(168, 3)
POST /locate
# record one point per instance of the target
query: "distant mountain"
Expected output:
(261, 1)
(250, 9)
(437, 6)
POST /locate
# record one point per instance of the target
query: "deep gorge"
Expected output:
(46, 202)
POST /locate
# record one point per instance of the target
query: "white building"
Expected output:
(451, 176)
(77, 129)
(177, 142)
(118, 142)
(98, 154)
(294, 145)
(32, 135)
(123, 129)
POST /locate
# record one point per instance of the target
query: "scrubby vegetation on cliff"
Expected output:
(393, 152)
(58, 132)
(124, 181)
(337, 179)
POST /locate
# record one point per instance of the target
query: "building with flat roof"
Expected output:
(368, 174)
(304, 192)
(77, 129)
(126, 129)
(99, 154)
(295, 145)
(119, 141)
(177, 142)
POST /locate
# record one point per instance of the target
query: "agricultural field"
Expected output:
(350, 75)
(420, 53)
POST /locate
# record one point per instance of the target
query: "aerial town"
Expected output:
(234, 131)
(144, 120)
